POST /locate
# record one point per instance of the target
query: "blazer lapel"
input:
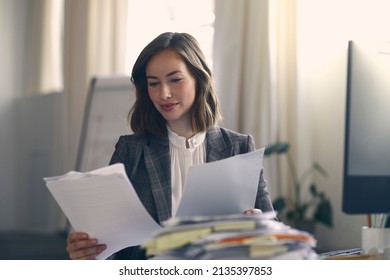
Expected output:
(216, 146)
(157, 162)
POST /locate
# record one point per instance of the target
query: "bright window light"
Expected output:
(149, 18)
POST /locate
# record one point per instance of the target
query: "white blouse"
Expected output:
(181, 159)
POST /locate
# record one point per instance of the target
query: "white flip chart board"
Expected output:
(105, 119)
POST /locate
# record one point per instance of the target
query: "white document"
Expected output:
(104, 204)
(223, 187)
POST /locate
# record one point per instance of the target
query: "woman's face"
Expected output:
(171, 87)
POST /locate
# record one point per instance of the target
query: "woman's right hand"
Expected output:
(81, 247)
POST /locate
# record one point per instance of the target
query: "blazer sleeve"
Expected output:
(121, 155)
(263, 200)
(120, 151)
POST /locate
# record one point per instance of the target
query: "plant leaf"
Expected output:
(277, 148)
(313, 190)
(269, 150)
(320, 169)
(301, 210)
(291, 215)
(324, 213)
(279, 204)
(282, 147)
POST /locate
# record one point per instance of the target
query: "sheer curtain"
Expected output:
(44, 49)
(94, 39)
(256, 73)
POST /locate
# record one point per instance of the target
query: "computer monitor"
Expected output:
(366, 185)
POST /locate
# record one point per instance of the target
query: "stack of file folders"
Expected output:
(240, 236)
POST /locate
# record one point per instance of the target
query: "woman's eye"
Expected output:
(153, 84)
(176, 80)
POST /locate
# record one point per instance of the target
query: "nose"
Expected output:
(165, 92)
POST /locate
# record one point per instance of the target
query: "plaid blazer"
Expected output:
(148, 166)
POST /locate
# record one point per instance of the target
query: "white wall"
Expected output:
(12, 34)
(39, 155)
(30, 133)
(324, 29)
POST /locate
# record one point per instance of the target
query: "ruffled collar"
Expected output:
(180, 141)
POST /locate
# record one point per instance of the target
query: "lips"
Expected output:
(168, 106)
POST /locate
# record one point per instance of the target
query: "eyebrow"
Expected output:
(168, 75)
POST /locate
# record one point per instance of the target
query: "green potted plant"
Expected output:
(297, 212)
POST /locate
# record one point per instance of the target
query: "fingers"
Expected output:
(89, 253)
(74, 236)
(81, 247)
(252, 211)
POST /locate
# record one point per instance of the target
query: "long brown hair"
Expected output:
(143, 117)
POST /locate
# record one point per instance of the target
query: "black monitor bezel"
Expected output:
(361, 194)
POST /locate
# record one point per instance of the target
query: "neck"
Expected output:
(182, 130)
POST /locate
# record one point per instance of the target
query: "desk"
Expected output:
(348, 254)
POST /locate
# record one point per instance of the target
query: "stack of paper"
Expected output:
(230, 237)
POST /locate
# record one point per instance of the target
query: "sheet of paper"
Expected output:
(227, 186)
(104, 204)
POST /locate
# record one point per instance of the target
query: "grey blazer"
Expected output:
(147, 164)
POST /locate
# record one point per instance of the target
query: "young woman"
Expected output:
(174, 120)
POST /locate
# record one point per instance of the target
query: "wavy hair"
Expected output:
(144, 119)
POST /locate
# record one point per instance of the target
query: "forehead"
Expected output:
(166, 61)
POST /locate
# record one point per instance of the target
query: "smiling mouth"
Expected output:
(169, 107)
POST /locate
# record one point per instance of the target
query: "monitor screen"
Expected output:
(366, 186)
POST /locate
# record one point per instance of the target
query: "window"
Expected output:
(149, 18)
(145, 20)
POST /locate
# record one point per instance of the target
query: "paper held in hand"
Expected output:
(104, 204)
